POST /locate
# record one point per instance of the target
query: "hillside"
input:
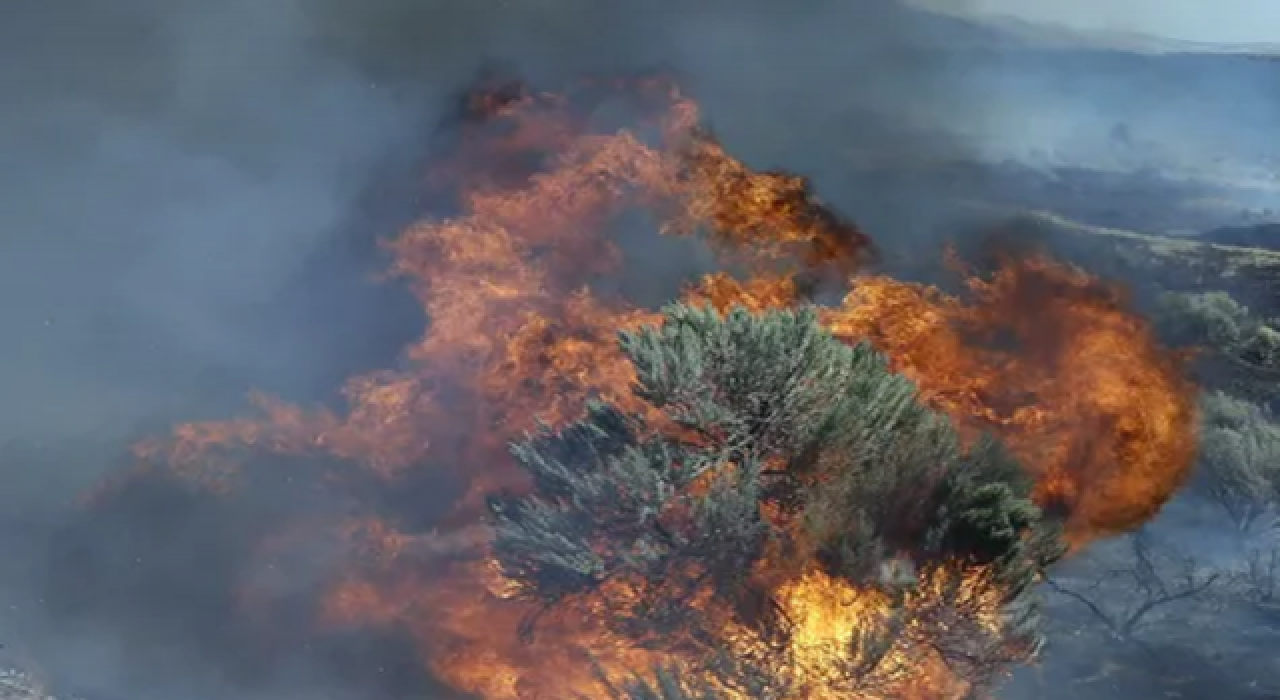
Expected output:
(1046, 35)
(1157, 153)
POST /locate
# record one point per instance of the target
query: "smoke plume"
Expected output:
(193, 202)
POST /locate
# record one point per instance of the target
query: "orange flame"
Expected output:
(1050, 359)
(1041, 354)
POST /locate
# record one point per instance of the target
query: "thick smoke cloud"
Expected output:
(170, 167)
(177, 172)
(191, 198)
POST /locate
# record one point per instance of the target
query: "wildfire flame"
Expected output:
(1041, 354)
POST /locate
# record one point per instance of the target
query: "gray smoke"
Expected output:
(173, 168)
(192, 192)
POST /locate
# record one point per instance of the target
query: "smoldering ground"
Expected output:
(193, 195)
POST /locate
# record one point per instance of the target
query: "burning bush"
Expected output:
(758, 498)
(794, 471)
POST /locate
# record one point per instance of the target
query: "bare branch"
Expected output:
(1102, 615)
(1258, 580)
(1155, 579)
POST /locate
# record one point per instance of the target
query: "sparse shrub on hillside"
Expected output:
(1262, 347)
(1239, 458)
(1240, 352)
(1212, 318)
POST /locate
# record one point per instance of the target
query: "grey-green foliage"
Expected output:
(1239, 457)
(720, 679)
(668, 684)
(1243, 352)
(813, 427)
(1212, 317)
(1261, 347)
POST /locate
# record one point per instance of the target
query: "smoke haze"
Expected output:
(192, 196)
(193, 192)
(1243, 21)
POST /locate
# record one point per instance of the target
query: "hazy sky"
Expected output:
(1197, 20)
